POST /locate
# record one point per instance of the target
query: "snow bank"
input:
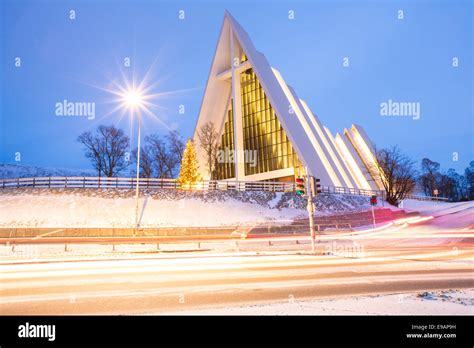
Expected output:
(116, 208)
(41, 207)
(447, 215)
(445, 302)
(435, 208)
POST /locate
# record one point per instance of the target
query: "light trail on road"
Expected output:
(174, 282)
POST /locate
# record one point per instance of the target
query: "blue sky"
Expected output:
(407, 60)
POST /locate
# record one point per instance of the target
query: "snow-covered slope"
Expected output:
(435, 208)
(10, 171)
(446, 215)
(116, 208)
(33, 207)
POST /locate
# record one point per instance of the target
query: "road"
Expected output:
(395, 259)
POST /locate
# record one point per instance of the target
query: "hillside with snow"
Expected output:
(42, 207)
(34, 207)
(445, 214)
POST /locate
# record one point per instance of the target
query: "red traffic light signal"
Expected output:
(373, 200)
(300, 189)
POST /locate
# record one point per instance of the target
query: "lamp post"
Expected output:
(134, 101)
(137, 189)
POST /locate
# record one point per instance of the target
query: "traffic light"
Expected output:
(300, 189)
(316, 185)
(373, 200)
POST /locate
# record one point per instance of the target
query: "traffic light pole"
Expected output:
(373, 202)
(373, 215)
(310, 208)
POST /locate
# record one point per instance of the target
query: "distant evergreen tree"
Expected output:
(430, 176)
(189, 174)
(469, 174)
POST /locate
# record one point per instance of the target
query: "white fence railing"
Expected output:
(205, 185)
(351, 191)
(143, 183)
(381, 194)
(426, 198)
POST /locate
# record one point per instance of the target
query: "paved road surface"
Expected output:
(397, 259)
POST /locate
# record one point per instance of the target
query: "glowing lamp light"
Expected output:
(133, 98)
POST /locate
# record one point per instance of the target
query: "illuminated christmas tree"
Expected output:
(189, 174)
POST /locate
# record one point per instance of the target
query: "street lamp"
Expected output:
(137, 98)
(134, 100)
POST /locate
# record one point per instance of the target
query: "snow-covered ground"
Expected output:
(42, 207)
(445, 302)
(435, 207)
(63, 209)
(447, 215)
(34, 207)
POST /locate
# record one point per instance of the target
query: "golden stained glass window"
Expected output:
(262, 131)
(225, 169)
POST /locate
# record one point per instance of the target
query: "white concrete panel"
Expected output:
(365, 149)
(329, 149)
(360, 159)
(340, 160)
(352, 161)
(280, 173)
(216, 94)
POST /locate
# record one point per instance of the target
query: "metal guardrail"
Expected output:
(427, 198)
(351, 191)
(362, 192)
(204, 185)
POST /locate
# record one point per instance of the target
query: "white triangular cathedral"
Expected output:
(266, 133)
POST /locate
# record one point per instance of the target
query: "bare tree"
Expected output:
(208, 139)
(162, 157)
(176, 144)
(106, 149)
(93, 150)
(146, 161)
(176, 147)
(446, 185)
(396, 172)
(429, 176)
